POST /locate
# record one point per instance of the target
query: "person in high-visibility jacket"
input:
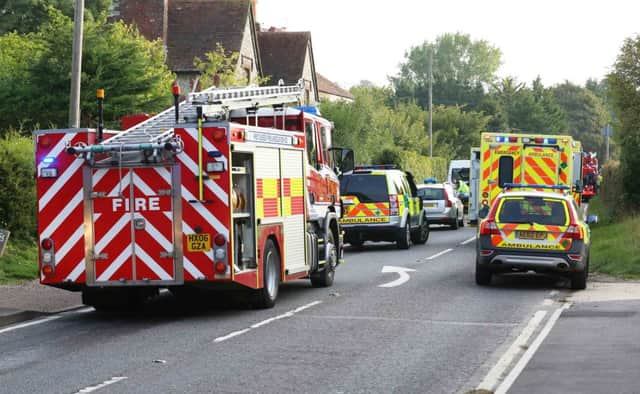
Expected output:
(463, 193)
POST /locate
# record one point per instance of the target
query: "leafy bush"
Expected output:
(17, 186)
(611, 193)
(19, 262)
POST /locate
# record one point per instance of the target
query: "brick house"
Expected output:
(190, 28)
(289, 56)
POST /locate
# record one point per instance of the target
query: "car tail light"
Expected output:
(486, 252)
(575, 257)
(447, 200)
(574, 232)
(489, 227)
(393, 205)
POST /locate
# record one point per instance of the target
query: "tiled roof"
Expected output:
(328, 87)
(283, 54)
(195, 26)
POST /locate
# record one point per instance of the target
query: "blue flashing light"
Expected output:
(310, 110)
(552, 141)
(430, 180)
(214, 153)
(48, 160)
(377, 167)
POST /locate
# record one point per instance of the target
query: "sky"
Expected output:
(355, 40)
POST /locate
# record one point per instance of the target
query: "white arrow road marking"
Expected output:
(404, 276)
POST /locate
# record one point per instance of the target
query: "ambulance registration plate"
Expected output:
(198, 242)
(537, 235)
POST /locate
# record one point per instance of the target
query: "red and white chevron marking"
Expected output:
(212, 217)
(60, 205)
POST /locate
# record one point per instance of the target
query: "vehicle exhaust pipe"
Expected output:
(563, 266)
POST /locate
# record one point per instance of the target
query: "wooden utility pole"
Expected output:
(431, 102)
(76, 65)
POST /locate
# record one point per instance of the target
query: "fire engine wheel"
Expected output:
(404, 238)
(266, 297)
(325, 277)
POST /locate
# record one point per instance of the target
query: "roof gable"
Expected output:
(196, 26)
(328, 87)
(283, 54)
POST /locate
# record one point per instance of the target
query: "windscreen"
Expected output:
(460, 173)
(533, 210)
(367, 187)
(431, 193)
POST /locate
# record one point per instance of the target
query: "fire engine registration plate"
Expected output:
(537, 235)
(198, 242)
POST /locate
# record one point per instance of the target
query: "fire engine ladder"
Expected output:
(157, 133)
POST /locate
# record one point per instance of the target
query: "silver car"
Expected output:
(441, 204)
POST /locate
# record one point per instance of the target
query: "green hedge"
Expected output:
(611, 193)
(17, 186)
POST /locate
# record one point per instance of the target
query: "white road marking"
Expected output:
(267, 321)
(492, 379)
(43, 320)
(439, 254)
(404, 276)
(468, 241)
(553, 293)
(526, 357)
(106, 383)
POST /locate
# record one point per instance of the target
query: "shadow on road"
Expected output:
(529, 281)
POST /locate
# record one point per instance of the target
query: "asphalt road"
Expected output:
(437, 332)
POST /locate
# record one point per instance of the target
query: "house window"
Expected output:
(247, 65)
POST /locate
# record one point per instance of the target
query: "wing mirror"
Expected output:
(592, 219)
(343, 160)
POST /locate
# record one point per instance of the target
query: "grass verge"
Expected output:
(615, 246)
(19, 262)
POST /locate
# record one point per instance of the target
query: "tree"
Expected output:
(461, 68)
(219, 69)
(26, 16)
(115, 57)
(455, 131)
(586, 115)
(624, 90)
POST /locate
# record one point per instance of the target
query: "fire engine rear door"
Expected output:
(132, 221)
(540, 165)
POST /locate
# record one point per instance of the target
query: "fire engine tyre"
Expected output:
(325, 277)
(266, 297)
(404, 236)
(483, 275)
(421, 236)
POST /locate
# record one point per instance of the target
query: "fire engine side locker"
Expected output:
(133, 225)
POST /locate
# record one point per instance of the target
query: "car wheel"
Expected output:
(404, 238)
(461, 222)
(266, 297)
(483, 275)
(421, 236)
(325, 277)
(579, 279)
(456, 224)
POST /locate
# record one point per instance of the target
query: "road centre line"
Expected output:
(526, 357)
(266, 321)
(468, 241)
(106, 383)
(439, 254)
(492, 379)
(427, 321)
(43, 320)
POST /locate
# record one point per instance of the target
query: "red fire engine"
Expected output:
(233, 194)
(590, 173)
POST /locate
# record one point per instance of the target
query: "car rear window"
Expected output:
(367, 187)
(533, 210)
(431, 193)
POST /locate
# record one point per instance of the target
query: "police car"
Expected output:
(532, 230)
(381, 203)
